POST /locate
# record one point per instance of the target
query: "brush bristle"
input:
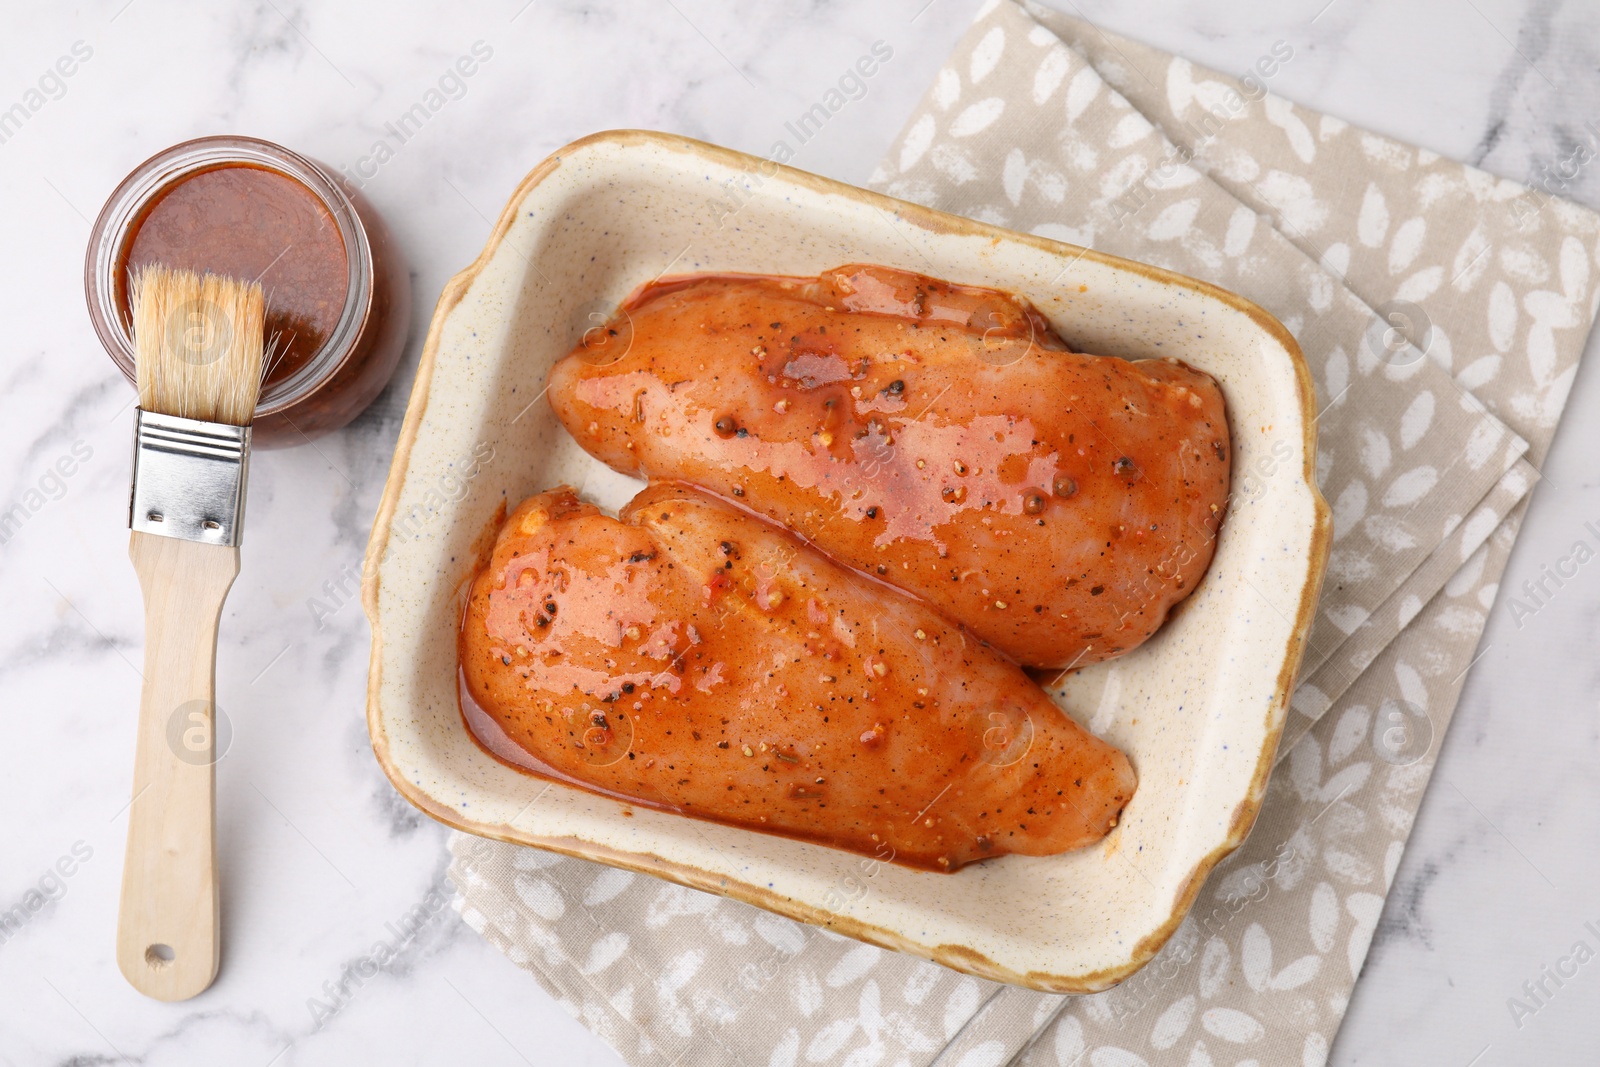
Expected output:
(198, 344)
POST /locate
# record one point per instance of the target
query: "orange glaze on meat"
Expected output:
(939, 436)
(692, 657)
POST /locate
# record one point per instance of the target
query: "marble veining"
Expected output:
(321, 861)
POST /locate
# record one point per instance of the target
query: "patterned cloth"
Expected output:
(1428, 450)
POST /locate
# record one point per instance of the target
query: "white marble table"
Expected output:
(320, 858)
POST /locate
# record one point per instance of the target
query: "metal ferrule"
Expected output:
(189, 478)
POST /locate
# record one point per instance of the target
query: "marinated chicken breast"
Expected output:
(937, 436)
(691, 656)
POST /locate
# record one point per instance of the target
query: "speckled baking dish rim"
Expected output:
(1199, 708)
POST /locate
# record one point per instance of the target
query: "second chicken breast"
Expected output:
(939, 437)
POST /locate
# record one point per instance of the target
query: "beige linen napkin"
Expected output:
(1043, 123)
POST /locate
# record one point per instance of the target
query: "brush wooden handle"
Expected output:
(168, 930)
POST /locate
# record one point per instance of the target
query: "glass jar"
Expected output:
(338, 299)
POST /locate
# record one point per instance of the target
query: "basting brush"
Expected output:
(199, 352)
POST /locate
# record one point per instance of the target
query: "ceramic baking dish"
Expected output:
(1198, 708)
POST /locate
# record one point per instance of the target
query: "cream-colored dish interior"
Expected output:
(1198, 708)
